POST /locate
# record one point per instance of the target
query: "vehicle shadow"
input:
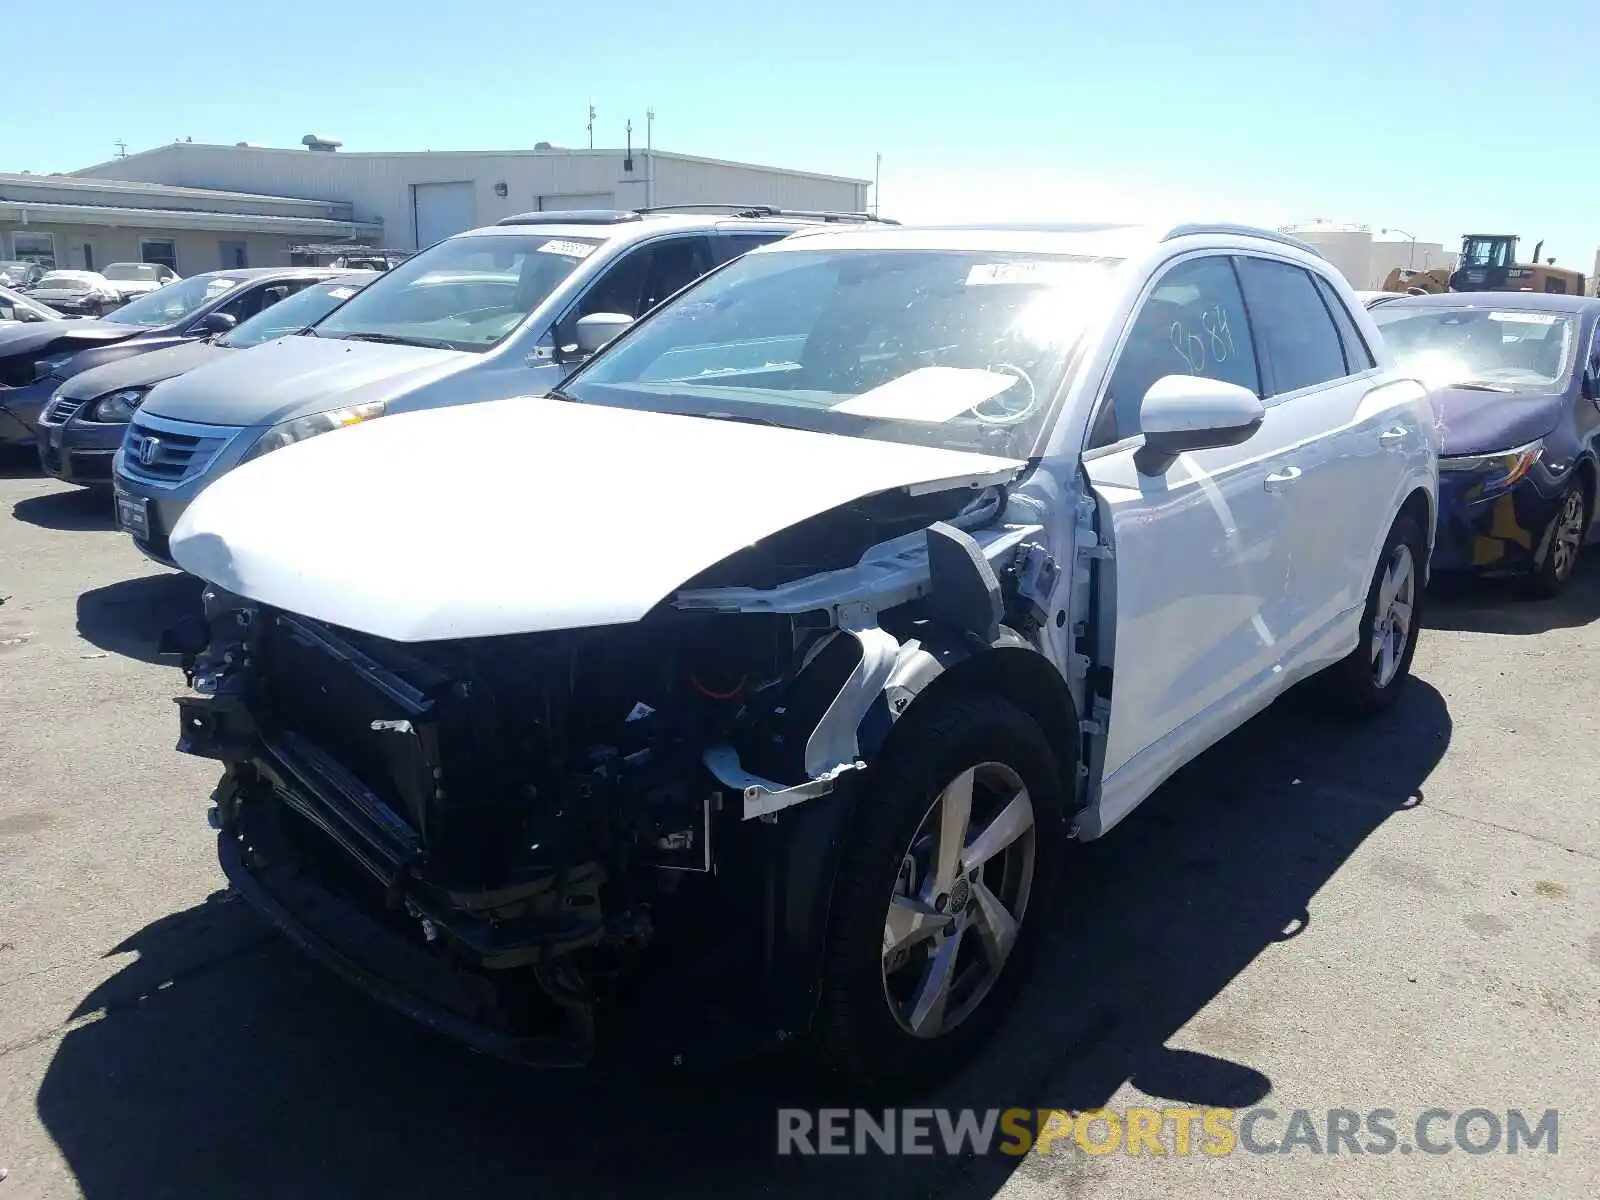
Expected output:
(1468, 605)
(19, 462)
(74, 509)
(227, 1064)
(128, 617)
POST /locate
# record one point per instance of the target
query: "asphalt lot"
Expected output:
(1400, 915)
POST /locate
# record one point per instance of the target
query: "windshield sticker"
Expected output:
(1044, 273)
(342, 293)
(1525, 318)
(929, 394)
(220, 285)
(570, 249)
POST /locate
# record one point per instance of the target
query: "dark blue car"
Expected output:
(1515, 380)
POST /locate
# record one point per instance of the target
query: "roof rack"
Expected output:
(1178, 231)
(576, 216)
(757, 211)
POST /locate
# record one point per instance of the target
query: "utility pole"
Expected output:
(122, 148)
(591, 127)
(877, 181)
(649, 157)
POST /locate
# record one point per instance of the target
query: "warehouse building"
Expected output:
(67, 222)
(198, 207)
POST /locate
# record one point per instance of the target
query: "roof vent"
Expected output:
(313, 141)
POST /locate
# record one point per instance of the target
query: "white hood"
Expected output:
(521, 515)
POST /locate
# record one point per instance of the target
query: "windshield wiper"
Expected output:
(394, 339)
(558, 394)
(1474, 385)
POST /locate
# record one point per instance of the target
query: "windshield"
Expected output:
(306, 307)
(960, 349)
(1513, 350)
(145, 272)
(12, 271)
(175, 301)
(66, 281)
(468, 293)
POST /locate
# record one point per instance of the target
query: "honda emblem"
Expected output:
(149, 450)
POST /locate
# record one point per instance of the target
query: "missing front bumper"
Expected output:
(343, 938)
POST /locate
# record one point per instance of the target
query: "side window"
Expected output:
(639, 279)
(675, 265)
(1299, 344)
(731, 245)
(1192, 323)
(1357, 354)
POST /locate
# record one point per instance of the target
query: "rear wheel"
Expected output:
(1562, 541)
(1368, 679)
(944, 891)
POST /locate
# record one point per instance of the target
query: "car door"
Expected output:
(1340, 505)
(1587, 417)
(1197, 551)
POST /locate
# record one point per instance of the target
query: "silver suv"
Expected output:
(502, 311)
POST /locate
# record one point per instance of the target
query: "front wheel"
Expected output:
(1562, 541)
(1369, 678)
(947, 883)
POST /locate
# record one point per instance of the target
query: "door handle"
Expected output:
(1279, 480)
(1392, 437)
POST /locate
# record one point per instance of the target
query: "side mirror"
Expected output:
(1190, 412)
(215, 323)
(597, 329)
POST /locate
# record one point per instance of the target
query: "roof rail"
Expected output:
(757, 211)
(576, 216)
(1270, 235)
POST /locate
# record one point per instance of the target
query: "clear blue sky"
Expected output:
(1387, 112)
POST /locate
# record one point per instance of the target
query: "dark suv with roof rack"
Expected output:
(505, 310)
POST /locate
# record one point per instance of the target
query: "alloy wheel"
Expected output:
(1568, 534)
(1391, 622)
(958, 900)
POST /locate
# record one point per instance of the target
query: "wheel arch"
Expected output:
(1589, 473)
(1013, 671)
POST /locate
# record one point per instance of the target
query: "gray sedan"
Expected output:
(87, 416)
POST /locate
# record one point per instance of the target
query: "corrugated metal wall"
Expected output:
(380, 186)
(686, 181)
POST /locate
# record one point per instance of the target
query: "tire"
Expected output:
(887, 883)
(1562, 541)
(1367, 680)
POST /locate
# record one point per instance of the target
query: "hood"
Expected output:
(1476, 422)
(24, 339)
(80, 292)
(142, 370)
(523, 515)
(297, 376)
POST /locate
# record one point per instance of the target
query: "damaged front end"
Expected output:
(607, 841)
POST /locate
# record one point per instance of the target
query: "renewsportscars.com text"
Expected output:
(1163, 1131)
